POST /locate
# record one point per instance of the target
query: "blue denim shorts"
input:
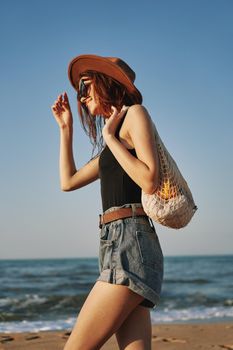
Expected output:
(130, 255)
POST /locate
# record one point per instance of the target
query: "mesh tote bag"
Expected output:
(172, 203)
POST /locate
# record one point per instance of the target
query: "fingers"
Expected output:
(114, 111)
(65, 98)
(57, 106)
(61, 103)
(113, 108)
(116, 114)
(124, 108)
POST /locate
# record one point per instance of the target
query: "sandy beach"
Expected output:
(166, 336)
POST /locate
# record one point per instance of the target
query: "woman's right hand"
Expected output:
(62, 112)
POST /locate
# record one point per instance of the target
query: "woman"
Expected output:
(130, 257)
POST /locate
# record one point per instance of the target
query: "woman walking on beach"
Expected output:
(130, 257)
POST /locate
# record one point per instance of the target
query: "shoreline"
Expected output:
(164, 336)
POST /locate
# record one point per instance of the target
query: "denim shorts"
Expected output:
(130, 255)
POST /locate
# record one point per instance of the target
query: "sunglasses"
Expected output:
(82, 90)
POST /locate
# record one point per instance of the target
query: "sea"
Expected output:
(47, 294)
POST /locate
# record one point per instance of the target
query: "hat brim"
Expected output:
(83, 63)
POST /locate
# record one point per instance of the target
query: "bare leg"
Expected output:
(135, 332)
(105, 309)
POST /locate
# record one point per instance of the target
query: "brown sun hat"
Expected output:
(111, 66)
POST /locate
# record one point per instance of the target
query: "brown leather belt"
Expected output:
(120, 214)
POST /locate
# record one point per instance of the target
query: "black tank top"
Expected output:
(117, 188)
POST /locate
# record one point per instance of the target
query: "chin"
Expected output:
(95, 110)
(92, 109)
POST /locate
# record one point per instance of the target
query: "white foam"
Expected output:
(23, 301)
(194, 313)
(36, 326)
(157, 316)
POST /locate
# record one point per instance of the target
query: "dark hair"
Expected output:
(110, 92)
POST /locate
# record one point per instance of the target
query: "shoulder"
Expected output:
(137, 108)
(137, 116)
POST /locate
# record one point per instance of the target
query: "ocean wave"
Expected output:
(37, 326)
(190, 315)
(37, 293)
(23, 302)
(196, 299)
(30, 306)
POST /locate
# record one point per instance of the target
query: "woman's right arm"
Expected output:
(70, 177)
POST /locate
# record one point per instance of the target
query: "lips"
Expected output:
(88, 100)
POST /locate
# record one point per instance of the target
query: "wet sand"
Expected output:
(167, 336)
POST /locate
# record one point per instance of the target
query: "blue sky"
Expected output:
(181, 51)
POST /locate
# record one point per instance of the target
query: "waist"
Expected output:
(117, 213)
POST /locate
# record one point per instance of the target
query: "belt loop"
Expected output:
(100, 224)
(133, 205)
(101, 220)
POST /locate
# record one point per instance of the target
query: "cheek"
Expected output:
(97, 103)
(98, 108)
(95, 98)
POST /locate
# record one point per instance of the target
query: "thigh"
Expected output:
(105, 309)
(135, 332)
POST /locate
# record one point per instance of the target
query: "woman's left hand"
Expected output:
(112, 122)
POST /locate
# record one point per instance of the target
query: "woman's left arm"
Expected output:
(144, 170)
